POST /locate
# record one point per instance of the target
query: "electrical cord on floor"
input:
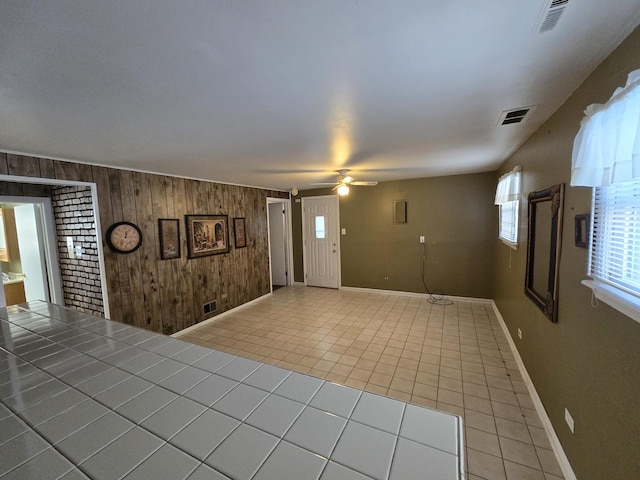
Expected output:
(435, 296)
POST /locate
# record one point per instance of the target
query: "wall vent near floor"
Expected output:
(551, 15)
(209, 308)
(516, 115)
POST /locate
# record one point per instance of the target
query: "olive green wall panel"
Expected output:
(456, 216)
(589, 362)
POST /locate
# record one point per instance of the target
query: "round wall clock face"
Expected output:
(124, 237)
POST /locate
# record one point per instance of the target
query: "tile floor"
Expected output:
(83, 397)
(454, 358)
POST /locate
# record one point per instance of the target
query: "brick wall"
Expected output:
(73, 212)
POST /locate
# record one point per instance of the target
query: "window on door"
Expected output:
(320, 229)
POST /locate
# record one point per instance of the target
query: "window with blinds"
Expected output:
(508, 201)
(615, 249)
(509, 222)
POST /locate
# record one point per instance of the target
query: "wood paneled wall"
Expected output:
(167, 295)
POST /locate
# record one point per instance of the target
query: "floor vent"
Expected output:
(517, 115)
(209, 309)
(552, 15)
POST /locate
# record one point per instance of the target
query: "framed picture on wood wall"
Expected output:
(169, 234)
(239, 232)
(207, 235)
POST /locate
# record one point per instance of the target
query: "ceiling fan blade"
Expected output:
(364, 184)
(331, 184)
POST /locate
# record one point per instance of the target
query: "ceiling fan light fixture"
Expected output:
(343, 190)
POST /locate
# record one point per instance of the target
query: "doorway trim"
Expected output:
(50, 246)
(286, 205)
(96, 215)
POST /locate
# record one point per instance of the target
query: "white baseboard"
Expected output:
(563, 461)
(414, 294)
(218, 317)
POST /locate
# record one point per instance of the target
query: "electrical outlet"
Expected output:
(386, 277)
(569, 419)
(520, 334)
(421, 238)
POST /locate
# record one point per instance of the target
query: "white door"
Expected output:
(30, 241)
(277, 245)
(321, 241)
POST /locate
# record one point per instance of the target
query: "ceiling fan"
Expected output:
(344, 181)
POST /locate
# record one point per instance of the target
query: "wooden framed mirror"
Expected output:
(543, 249)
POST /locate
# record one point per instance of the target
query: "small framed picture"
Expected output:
(239, 232)
(207, 235)
(169, 229)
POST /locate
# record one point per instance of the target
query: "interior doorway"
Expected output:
(41, 248)
(280, 245)
(28, 251)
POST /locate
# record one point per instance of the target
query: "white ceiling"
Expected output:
(281, 93)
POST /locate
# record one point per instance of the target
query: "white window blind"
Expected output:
(615, 252)
(509, 221)
(508, 201)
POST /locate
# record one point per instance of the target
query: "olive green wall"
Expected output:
(589, 362)
(454, 213)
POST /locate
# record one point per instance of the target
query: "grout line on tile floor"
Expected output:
(295, 329)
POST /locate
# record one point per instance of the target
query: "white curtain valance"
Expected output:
(606, 150)
(508, 187)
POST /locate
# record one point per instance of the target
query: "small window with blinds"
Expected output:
(508, 200)
(615, 249)
(509, 222)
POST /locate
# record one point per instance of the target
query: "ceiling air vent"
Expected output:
(514, 116)
(552, 15)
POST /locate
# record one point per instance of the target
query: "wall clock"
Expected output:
(124, 237)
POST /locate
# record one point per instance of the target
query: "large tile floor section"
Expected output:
(454, 358)
(82, 397)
